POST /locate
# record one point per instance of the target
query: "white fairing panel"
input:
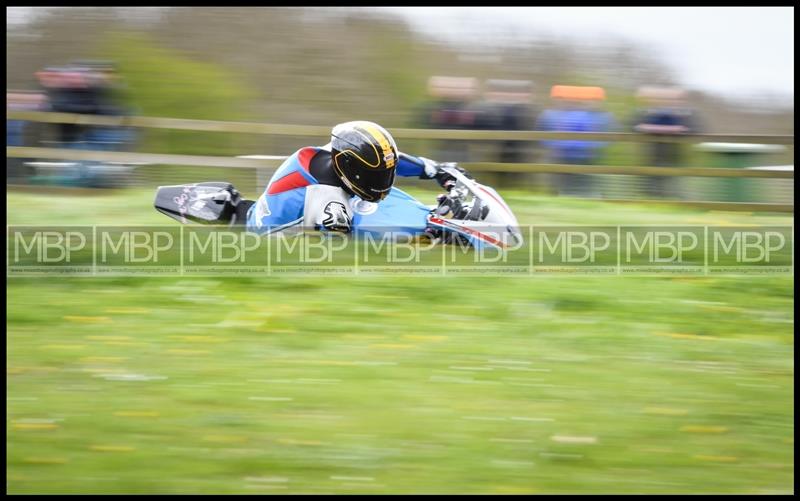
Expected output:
(499, 228)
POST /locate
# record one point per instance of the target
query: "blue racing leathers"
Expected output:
(304, 194)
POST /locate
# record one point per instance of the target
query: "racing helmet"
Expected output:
(364, 158)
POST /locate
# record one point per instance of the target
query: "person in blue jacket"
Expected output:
(575, 111)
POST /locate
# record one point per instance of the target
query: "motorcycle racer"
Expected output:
(318, 188)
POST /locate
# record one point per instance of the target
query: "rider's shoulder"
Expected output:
(304, 155)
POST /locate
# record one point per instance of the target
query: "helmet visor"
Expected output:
(372, 185)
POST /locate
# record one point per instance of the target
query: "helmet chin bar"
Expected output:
(350, 186)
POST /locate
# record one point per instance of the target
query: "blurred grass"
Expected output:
(358, 385)
(135, 206)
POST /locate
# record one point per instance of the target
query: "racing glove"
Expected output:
(337, 219)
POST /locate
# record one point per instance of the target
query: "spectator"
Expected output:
(665, 113)
(22, 132)
(67, 92)
(451, 108)
(507, 106)
(91, 88)
(84, 88)
(575, 109)
(107, 89)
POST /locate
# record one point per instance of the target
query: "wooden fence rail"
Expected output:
(267, 161)
(264, 161)
(319, 131)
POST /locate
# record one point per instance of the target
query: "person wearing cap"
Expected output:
(575, 110)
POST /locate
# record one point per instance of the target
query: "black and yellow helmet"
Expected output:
(364, 158)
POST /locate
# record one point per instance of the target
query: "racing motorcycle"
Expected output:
(469, 213)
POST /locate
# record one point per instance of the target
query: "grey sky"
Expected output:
(737, 51)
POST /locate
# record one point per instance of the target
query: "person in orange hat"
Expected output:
(575, 110)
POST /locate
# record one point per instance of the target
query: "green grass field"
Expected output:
(549, 384)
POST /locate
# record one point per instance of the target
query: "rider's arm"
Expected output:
(410, 166)
(425, 168)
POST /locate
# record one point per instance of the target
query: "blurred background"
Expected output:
(540, 384)
(725, 71)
